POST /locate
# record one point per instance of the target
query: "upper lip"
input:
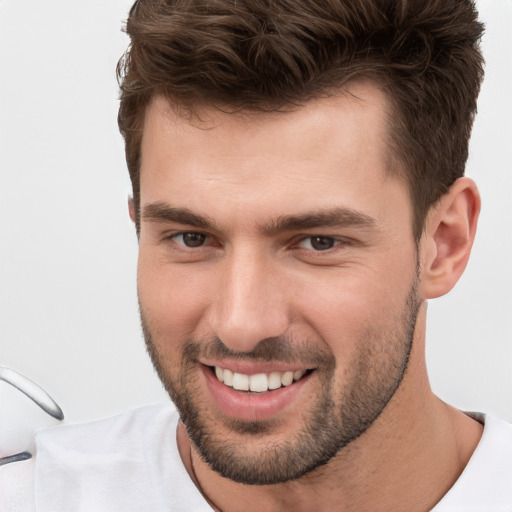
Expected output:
(254, 367)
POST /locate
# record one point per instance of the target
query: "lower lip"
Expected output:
(246, 406)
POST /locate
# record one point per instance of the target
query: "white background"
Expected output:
(68, 309)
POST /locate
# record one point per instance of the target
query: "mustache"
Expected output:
(281, 349)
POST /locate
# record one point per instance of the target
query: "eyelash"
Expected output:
(174, 236)
(336, 242)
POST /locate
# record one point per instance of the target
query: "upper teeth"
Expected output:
(259, 382)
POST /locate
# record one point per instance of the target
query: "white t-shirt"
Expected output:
(486, 482)
(126, 463)
(131, 463)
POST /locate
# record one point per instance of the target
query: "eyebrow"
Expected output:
(330, 218)
(161, 212)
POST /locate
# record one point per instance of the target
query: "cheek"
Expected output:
(173, 299)
(346, 309)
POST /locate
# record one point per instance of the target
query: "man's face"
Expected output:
(276, 254)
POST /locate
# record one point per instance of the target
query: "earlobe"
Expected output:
(131, 208)
(448, 238)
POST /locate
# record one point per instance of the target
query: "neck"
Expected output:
(415, 450)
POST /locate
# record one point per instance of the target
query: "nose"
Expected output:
(250, 304)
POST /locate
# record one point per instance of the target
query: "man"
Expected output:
(298, 194)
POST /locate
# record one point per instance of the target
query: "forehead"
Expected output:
(322, 152)
(360, 110)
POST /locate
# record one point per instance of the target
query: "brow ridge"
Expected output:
(330, 218)
(162, 212)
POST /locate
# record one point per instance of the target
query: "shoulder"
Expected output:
(118, 463)
(137, 428)
(486, 482)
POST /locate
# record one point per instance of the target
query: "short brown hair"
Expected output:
(269, 54)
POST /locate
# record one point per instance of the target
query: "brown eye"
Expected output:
(190, 239)
(321, 243)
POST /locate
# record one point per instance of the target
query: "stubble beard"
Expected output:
(337, 418)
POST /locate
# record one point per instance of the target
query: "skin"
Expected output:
(247, 283)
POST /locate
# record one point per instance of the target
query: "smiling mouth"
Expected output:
(259, 382)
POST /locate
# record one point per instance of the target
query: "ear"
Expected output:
(131, 208)
(448, 238)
